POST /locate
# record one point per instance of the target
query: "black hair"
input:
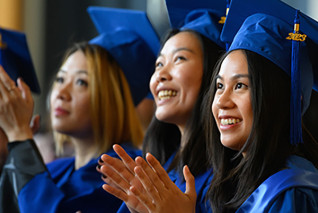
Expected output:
(267, 147)
(163, 139)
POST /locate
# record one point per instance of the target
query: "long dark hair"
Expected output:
(163, 139)
(267, 147)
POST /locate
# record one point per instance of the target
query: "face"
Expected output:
(70, 98)
(176, 81)
(231, 106)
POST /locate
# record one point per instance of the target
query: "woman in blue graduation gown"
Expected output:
(92, 105)
(264, 160)
(176, 136)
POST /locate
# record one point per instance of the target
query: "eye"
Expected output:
(82, 82)
(219, 85)
(180, 58)
(59, 79)
(240, 86)
(159, 64)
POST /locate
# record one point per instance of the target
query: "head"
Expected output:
(248, 97)
(91, 98)
(177, 79)
(163, 137)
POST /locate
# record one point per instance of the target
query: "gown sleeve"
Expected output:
(27, 186)
(296, 200)
(18, 171)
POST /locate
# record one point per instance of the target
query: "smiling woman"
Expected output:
(175, 136)
(263, 157)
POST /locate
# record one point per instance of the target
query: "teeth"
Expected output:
(230, 121)
(166, 94)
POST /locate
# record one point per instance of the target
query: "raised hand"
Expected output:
(16, 108)
(162, 195)
(119, 175)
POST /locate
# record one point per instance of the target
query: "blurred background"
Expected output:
(52, 26)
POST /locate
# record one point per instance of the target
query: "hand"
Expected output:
(3, 148)
(16, 108)
(35, 124)
(162, 194)
(119, 176)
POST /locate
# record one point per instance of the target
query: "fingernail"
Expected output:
(100, 161)
(104, 176)
(98, 166)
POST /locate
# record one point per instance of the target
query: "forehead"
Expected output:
(75, 62)
(234, 63)
(186, 40)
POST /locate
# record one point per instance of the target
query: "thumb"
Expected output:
(26, 92)
(35, 124)
(190, 184)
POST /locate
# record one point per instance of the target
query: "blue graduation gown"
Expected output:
(202, 183)
(60, 188)
(291, 190)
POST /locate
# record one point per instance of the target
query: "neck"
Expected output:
(85, 150)
(181, 129)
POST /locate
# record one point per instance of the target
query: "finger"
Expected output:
(6, 80)
(190, 184)
(35, 124)
(127, 160)
(149, 186)
(152, 174)
(144, 199)
(161, 172)
(116, 192)
(118, 165)
(115, 178)
(25, 89)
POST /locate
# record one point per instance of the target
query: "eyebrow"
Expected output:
(77, 72)
(179, 49)
(237, 76)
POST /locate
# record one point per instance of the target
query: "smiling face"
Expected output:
(70, 98)
(176, 81)
(231, 106)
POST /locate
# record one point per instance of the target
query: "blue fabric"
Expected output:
(131, 39)
(16, 59)
(291, 190)
(202, 183)
(200, 16)
(64, 189)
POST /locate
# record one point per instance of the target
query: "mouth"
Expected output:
(60, 112)
(166, 94)
(230, 121)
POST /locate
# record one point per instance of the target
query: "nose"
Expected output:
(224, 100)
(163, 74)
(63, 92)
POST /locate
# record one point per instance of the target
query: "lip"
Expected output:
(162, 101)
(59, 111)
(229, 126)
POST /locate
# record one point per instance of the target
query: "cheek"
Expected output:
(152, 84)
(214, 109)
(52, 98)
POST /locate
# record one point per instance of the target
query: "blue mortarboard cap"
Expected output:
(15, 58)
(204, 17)
(132, 41)
(271, 34)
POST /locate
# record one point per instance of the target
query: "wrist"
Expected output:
(20, 134)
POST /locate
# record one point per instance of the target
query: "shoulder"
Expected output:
(299, 199)
(60, 164)
(283, 187)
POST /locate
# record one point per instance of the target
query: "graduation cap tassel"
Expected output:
(227, 45)
(295, 99)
